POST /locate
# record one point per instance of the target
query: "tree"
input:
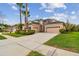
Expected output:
(26, 14)
(78, 27)
(3, 27)
(20, 9)
(67, 25)
(71, 27)
(18, 26)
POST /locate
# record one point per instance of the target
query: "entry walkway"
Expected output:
(23, 45)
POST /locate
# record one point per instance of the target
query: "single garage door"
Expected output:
(52, 30)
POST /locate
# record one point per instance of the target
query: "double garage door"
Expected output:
(52, 30)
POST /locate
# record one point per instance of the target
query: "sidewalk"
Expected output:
(51, 51)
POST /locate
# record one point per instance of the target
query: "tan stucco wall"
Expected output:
(35, 27)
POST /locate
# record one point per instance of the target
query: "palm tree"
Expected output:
(20, 9)
(26, 14)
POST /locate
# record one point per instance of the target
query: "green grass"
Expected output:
(2, 37)
(34, 53)
(15, 35)
(69, 41)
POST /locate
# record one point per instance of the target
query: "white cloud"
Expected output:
(61, 15)
(43, 5)
(73, 17)
(58, 16)
(60, 5)
(37, 16)
(52, 6)
(64, 17)
(14, 8)
(73, 12)
(48, 10)
(11, 3)
(12, 22)
(28, 8)
(5, 20)
(44, 17)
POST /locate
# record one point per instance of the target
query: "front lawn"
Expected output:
(34, 53)
(69, 41)
(2, 37)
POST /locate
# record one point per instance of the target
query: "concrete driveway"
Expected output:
(38, 37)
(23, 45)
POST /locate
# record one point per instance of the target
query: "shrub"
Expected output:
(1, 30)
(30, 32)
(23, 32)
(17, 31)
(62, 31)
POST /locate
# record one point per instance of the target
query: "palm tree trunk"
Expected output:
(26, 17)
(25, 22)
(20, 20)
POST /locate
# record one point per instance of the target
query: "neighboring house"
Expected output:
(4, 27)
(1, 28)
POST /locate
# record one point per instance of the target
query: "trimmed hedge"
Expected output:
(23, 32)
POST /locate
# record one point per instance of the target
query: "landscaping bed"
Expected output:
(68, 41)
(2, 37)
(34, 53)
(21, 33)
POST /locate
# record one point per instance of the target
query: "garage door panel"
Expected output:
(52, 30)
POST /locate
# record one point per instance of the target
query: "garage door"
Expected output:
(52, 30)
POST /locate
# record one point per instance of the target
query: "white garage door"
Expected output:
(52, 30)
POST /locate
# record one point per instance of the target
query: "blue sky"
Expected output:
(59, 11)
